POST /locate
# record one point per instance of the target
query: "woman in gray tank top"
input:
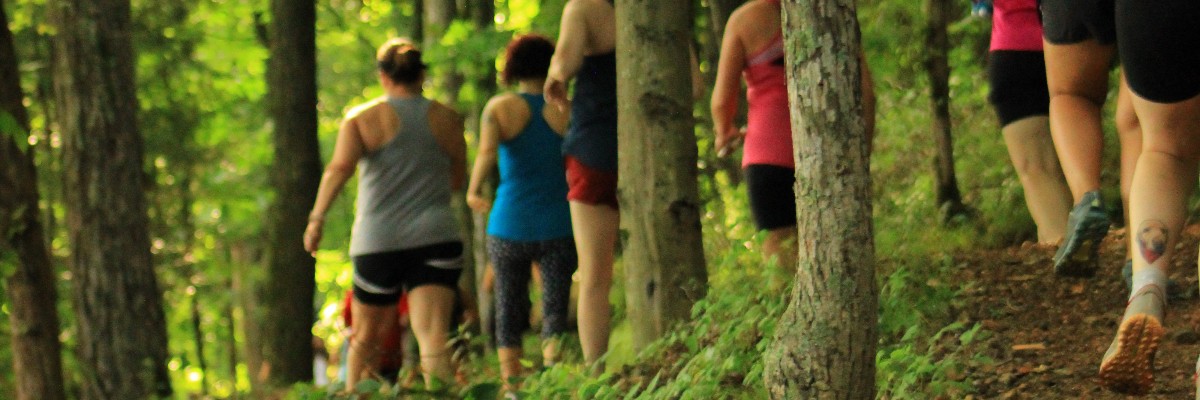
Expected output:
(412, 155)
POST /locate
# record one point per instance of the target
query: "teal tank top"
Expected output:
(531, 201)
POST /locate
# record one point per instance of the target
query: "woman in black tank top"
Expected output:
(590, 148)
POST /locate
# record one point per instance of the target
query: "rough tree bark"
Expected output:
(287, 293)
(949, 200)
(664, 256)
(824, 347)
(122, 337)
(24, 259)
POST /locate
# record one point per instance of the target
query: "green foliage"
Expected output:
(201, 88)
(10, 129)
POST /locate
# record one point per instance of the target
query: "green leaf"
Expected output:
(10, 127)
(368, 386)
(482, 391)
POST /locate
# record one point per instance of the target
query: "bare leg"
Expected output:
(510, 367)
(1077, 76)
(595, 228)
(1046, 192)
(1129, 133)
(431, 306)
(1162, 181)
(551, 350)
(370, 323)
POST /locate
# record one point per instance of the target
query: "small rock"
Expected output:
(1064, 372)
(1185, 336)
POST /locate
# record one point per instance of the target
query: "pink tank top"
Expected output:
(1015, 25)
(768, 122)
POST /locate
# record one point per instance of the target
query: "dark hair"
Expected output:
(527, 56)
(400, 60)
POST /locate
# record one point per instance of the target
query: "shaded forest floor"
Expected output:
(1048, 333)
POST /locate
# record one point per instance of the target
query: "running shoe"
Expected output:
(1086, 226)
(1128, 365)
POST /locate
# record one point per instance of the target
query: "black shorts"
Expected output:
(1074, 21)
(379, 277)
(1158, 42)
(772, 195)
(1018, 81)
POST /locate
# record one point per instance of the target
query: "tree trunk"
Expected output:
(824, 346)
(24, 260)
(198, 338)
(288, 290)
(483, 13)
(664, 256)
(948, 198)
(439, 14)
(122, 334)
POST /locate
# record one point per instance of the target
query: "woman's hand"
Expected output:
(728, 140)
(478, 203)
(312, 235)
(555, 91)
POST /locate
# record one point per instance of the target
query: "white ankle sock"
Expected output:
(1148, 276)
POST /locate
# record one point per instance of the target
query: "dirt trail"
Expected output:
(1050, 332)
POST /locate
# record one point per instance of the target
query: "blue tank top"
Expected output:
(531, 201)
(592, 137)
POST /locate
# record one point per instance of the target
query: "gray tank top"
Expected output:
(404, 188)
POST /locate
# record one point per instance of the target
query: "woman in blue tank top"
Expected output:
(530, 220)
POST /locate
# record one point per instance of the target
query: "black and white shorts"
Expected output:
(380, 278)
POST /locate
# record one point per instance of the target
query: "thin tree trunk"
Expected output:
(246, 284)
(418, 22)
(439, 14)
(198, 338)
(288, 290)
(483, 13)
(824, 346)
(664, 255)
(122, 338)
(33, 318)
(948, 198)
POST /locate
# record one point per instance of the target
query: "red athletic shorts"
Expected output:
(590, 186)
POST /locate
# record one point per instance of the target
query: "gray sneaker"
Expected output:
(1080, 249)
(1128, 365)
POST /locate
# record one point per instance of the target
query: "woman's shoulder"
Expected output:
(505, 102)
(753, 12)
(370, 107)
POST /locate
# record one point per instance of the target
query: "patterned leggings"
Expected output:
(512, 261)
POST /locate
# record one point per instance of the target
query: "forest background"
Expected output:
(202, 90)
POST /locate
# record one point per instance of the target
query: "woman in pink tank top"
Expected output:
(1017, 76)
(753, 47)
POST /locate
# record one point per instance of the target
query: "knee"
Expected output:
(1076, 92)
(1185, 154)
(1127, 120)
(1034, 167)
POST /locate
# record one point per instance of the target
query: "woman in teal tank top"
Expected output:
(530, 220)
